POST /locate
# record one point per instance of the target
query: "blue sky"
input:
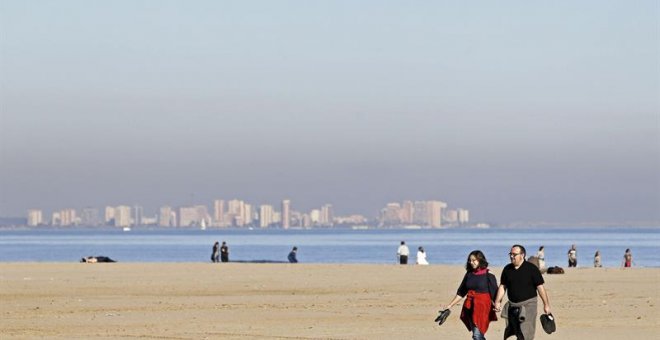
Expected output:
(518, 112)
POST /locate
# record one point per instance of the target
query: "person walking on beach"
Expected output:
(421, 257)
(215, 255)
(572, 257)
(540, 255)
(523, 282)
(597, 263)
(403, 253)
(292, 255)
(478, 287)
(224, 252)
(627, 259)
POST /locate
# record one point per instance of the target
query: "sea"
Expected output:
(373, 246)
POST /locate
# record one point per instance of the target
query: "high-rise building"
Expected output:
(286, 214)
(122, 216)
(306, 221)
(265, 215)
(407, 212)
(434, 211)
(236, 212)
(138, 213)
(315, 216)
(55, 218)
(463, 216)
(326, 215)
(247, 214)
(34, 217)
(391, 215)
(109, 216)
(219, 213)
(68, 217)
(165, 217)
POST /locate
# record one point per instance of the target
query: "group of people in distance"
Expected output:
(403, 252)
(220, 253)
(572, 258)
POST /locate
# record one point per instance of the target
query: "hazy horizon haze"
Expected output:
(517, 112)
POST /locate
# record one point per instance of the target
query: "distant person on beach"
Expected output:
(597, 263)
(421, 257)
(224, 252)
(627, 259)
(572, 257)
(523, 282)
(403, 253)
(540, 255)
(480, 287)
(292, 255)
(215, 255)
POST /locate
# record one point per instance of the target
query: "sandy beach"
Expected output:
(301, 301)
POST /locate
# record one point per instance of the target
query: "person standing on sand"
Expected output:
(215, 255)
(479, 285)
(421, 257)
(597, 263)
(292, 255)
(224, 252)
(523, 282)
(541, 256)
(572, 257)
(627, 259)
(403, 253)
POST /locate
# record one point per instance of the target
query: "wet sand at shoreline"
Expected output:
(297, 301)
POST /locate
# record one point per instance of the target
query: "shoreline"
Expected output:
(311, 301)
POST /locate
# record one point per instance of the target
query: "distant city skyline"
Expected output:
(540, 112)
(240, 213)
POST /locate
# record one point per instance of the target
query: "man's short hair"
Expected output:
(522, 249)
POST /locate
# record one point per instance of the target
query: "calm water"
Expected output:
(447, 246)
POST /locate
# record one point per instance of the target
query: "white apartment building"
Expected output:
(266, 213)
(122, 216)
(34, 217)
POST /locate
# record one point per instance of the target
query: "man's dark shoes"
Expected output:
(548, 323)
(444, 314)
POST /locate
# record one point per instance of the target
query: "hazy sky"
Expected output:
(524, 111)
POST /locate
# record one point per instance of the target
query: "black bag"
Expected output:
(555, 270)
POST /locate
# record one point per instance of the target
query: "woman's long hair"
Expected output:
(480, 257)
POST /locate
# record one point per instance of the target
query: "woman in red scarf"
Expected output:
(478, 288)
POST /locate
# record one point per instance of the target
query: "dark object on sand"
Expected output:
(444, 314)
(258, 261)
(96, 259)
(555, 270)
(548, 323)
